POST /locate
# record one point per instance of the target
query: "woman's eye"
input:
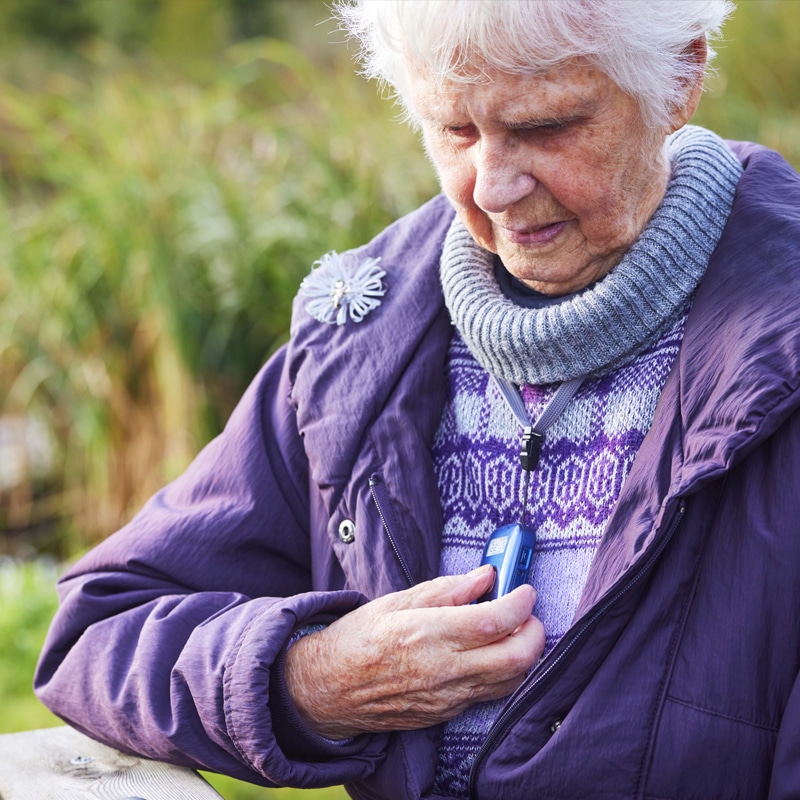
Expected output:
(542, 129)
(460, 131)
(549, 128)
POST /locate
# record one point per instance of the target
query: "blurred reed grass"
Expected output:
(755, 91)
(27, 600)
(155, 230)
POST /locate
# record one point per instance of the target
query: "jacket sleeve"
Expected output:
(167, 632)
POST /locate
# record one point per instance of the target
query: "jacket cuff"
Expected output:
(261, 719)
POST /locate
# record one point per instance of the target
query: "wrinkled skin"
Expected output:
(415, 658)
(555, 172)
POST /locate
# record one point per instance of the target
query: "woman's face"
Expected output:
(554, 172)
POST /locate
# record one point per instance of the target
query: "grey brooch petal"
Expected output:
(338, 290)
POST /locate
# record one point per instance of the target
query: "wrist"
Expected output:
(309, 683)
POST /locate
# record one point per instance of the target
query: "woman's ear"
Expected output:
(696, 55)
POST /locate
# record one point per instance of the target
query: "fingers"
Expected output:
(450, 590)
(521, 650)
(484, 623)
(447, 599)
(501, 666)
(417, 665)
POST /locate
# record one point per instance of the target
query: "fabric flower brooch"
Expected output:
(338, 290)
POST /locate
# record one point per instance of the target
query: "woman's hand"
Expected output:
(415, 658)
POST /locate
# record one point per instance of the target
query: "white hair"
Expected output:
(644, 46)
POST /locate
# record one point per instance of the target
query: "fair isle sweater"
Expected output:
(623, 335)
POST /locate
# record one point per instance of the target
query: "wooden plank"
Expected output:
(62, 764)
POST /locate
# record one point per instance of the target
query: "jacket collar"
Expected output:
(369, 395)
(343, 376)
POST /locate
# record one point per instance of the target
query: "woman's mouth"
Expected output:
(541, 234)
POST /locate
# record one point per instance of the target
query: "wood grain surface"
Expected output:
(62, 764)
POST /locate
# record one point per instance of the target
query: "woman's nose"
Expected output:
(500, 177)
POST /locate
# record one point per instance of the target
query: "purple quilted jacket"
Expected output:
(678, 677)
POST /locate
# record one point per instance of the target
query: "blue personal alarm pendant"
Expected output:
(510, 548)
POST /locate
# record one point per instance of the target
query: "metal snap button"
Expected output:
(347, 531)
(555, 725)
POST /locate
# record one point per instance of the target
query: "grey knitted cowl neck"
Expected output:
(624, 312)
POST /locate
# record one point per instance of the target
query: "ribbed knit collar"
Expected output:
(625, 311)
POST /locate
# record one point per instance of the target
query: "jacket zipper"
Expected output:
(503, 719)
(374, 482)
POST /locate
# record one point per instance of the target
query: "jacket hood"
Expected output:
(739, 364)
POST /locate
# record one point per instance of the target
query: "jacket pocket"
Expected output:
(701, 754)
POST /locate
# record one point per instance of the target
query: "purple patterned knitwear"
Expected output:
(585, 458)
(589, 450)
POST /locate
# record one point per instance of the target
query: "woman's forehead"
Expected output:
(571, 88)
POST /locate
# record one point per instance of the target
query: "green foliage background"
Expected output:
(169, 170)
(156, 217)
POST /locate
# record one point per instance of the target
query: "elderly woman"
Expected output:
(591, 338)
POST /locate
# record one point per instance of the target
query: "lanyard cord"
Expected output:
(533, 433)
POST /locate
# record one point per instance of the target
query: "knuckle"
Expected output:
(425, 594)
(443, 585)
(531, 641)
(491, 626)
(520, 660)
(475, 693)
